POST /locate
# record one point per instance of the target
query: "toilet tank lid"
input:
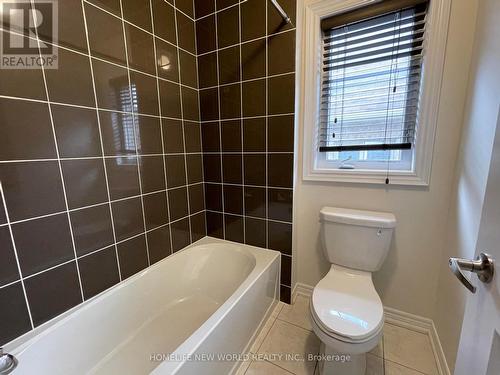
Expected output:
(358, 217)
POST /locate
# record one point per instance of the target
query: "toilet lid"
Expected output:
(345, 303)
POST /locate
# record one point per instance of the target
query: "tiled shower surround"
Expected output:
(108, 162)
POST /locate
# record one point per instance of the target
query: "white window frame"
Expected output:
(311, 12)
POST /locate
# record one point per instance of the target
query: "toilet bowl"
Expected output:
(346, 312)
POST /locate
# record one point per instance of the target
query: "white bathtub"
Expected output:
(205, 300)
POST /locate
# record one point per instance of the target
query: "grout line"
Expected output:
(56, 146)
(252, 217)
(267, 131)
(247, 80)
(241, 128)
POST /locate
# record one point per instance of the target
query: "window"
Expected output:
(370, 108)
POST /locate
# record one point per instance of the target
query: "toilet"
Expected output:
(346, 311)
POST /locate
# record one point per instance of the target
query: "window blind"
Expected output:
(372, 64)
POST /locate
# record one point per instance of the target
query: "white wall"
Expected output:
(472, 172)
(409, 277)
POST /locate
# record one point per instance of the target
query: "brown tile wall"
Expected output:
(246, 69)
(100, 160)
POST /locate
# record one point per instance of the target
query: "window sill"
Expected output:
(365, 177)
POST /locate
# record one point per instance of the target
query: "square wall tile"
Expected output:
(140, 49)
(280, 131)
(253, 59)
(173, 140)
(14, 317)
(144, 94)
(280, 170)
(254, 135)
(209, 104)
(180, 234)
(123, 177)
(275, 23)
(176, 170)
(228, 25)
(98, 271)
(186, 32)
(128, 218)
(286, 270)
(155, 210)
(196, 198)
(8, 266)
(231, 168)
(178, 200)
(213, 197)
(92, 229)
(112, 86)
(280, 237)
(189, 73)
(167, 60)
(212, 168)
(281, 55)
(203, 7)
(133, 256)
(159, 244)
(138, 12)
(207, 70)
(198, 225)
(256, 232)
(252, 22)
(231, 136)
(148, 134)
(233, 199)
(190, 104)
(210, 133)
(71, 26)
(170, 99)
(255, 169)
(229, 65)
(280, 204)
(152, 175)
(254, 98)
(192, 136)
(205, 35)
(117, 131)
(281, 97)
(285, 294)
(234, 228)
(194, 168)
(215, 223)
(164, 20)
(185, 6)
(230, 102)
(112, 6)
(255, 201)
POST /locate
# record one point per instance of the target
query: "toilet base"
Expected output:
(333, 363)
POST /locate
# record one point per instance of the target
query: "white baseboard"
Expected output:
(401, 319)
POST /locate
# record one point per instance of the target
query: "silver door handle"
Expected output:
(483, 267)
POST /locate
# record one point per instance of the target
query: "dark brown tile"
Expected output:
(71, 26)
(140, 49)
(209, 104)
(105, 34)
(186, 33)
(221, 4)
(280, 133)
(92, 229)
(3, 218)
(205, 35)
(255, 232)
(152, 173)
(234, 228)
(254, 98)
(254, 135)
(196, 198)
(192, 136)
(207, 70)
(213, 197)
(77, 131)
(189, 74)
(281, 94)
(148, 135)
(180, 234)
(275, 22)
(185, 6)
(166, 60)
(210, 137)
(98, 272)
(172, 136)
(138, 12)
(112, 6)
(123, 177)
(117, 131)
(194, 168)
(133, 256)
(176, 170)
(253, 59)
(32, 189)
(170, 99)
(14, 317)
(26, 131)
(178, 201)
(24, 83)
(280, 204)
(232, 168)
(231, 136)
(280, 237)
(144, 93)
(281, 53)
(285, 294)
(212, 168)
(215, 223)
(203, 7)
(228, 27)
(71, 82)
(255, 201)
(155, 210)
(164, 20)
(8, 266)
(286, 270)
(229, 65)
(53, 292)
(280, 170)
(190, 104)
(159, 244)
(198, 226)
(85, 182)
(127, 216)
(255, 169)
(253, 25)
(230, 102)
(112, 86)
(233, 199)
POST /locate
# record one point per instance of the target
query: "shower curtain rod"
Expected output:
(281, 11)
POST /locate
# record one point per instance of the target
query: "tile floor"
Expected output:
(288, 330)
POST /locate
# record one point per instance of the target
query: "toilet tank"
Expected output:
(356, 239)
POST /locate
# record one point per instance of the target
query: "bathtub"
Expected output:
(185, 315)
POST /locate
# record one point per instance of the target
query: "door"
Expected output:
(479, 348)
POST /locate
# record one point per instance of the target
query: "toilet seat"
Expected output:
(346, 306)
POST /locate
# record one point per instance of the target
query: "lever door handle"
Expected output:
(483, 266)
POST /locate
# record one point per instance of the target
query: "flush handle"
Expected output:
(483, 267)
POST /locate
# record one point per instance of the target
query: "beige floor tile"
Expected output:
(285, 338)
(265, 368)
(298, 313)
(392, 368)
(374, 365)
(379, 349)
(277, 309)
(409, 348)
(262, 335)
(243, 367)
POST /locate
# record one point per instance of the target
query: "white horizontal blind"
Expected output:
(371, 80)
